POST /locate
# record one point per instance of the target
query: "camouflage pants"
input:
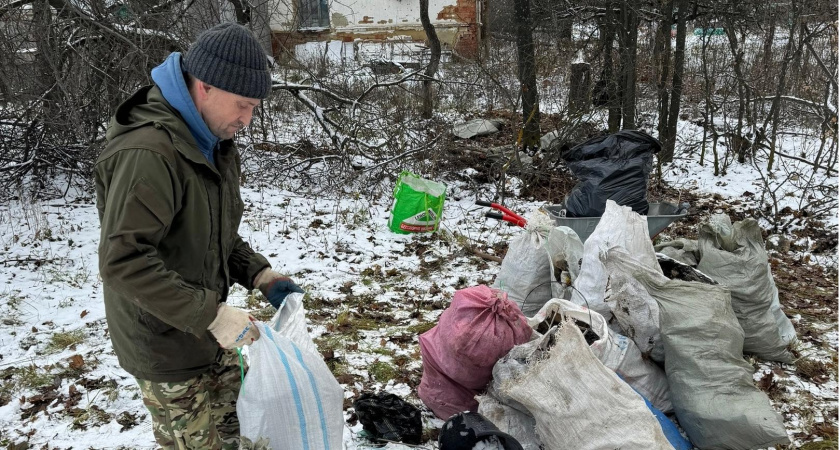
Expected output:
(199, 413)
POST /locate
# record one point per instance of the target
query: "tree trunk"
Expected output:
(629, 41)
(580, 85)
(667, 153)
(743, 90)
(609, 77)
(663, 62)
(799, 64)
(434, 59)
(261, 24)
(708, 118)
(780, 87)
(564, 31)
(45, 60)
(530, 136)
(767, 57)
(241, 11)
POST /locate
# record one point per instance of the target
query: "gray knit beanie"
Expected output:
(229, 57)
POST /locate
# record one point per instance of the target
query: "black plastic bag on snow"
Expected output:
(613, 167)
(389, 417)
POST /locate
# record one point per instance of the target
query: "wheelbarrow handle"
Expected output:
(518, 221)
(500, 208)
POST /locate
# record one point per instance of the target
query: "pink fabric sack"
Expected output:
(479, 327)
(442, 395)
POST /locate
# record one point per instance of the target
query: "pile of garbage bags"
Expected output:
(609, 344)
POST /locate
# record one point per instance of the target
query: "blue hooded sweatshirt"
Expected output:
(169, 77)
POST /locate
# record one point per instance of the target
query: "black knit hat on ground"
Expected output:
(230, 58)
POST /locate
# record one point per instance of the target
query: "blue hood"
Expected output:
(170, 79)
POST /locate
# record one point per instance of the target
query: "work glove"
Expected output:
(275, 287)
(233, 327)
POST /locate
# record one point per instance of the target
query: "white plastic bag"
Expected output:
(615, 351)
(289, 396)
(290, 321)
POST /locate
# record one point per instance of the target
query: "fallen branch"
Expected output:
(36, 261)
(285, 85)
(486, 256)
(784, 155)
(798, 100)
(832, 78)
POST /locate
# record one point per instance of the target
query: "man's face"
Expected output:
(225, 113)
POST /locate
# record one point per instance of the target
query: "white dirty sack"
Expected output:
(527, 274)
(476, 127)
(618, 226)
(683, 250)
(636, 313)
(615, 351)
(579, 404)
(512, 421)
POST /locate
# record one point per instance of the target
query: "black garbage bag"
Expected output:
(613, 167)
(386, 416)
(464, 430)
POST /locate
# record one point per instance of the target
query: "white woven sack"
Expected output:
(712, 388)
(619, 225)
(734, 255)
(290, 321)
(683, 250)
(512, 421)
(615, 351)
(580, 404)
(636, 313)
(527, 272)
(289, 395)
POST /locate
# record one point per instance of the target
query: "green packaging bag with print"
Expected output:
(418, 204)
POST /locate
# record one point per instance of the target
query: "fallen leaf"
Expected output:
(83, 314)
(766, 382)
(345, 378)
(76, 362)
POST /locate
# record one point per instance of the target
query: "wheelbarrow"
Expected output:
(659, 216)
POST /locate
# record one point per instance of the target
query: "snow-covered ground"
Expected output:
(61, 386)
(52, 296)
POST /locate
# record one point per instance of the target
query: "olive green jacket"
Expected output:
(169, 247)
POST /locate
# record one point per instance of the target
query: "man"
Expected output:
(167, 191)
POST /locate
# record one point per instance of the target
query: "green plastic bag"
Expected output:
(418, 204)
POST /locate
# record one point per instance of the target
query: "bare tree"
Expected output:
(669, 138)
(434, 59)
(530, 134)
(629, 36)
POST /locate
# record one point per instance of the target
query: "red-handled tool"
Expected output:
(506, 214)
